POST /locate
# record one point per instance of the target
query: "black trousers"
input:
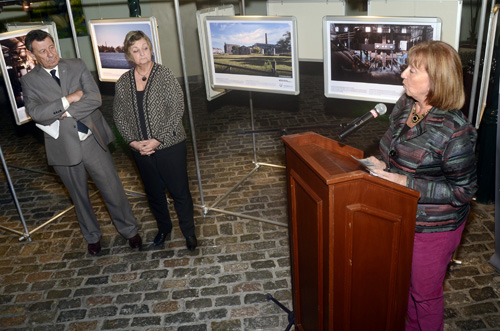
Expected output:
(167, 169)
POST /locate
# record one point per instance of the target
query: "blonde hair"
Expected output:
(130, 39)
(444, 67)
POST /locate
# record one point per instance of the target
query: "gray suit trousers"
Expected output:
(99, 164)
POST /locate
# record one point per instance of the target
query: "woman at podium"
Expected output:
(429, 147)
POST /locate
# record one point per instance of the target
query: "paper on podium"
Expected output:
(367, 164)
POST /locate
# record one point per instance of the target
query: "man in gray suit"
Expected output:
(62, 97)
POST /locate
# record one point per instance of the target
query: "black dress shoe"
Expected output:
(191, 242)
(160, 238)
(135, 241)
(95, 248)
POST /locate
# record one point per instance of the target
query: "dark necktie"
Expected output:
(81, 127)
(53, 73)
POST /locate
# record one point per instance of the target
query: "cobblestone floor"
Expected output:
(51, 283)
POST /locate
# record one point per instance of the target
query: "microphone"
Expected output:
(379, 109)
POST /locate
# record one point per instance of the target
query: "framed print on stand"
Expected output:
(364, 56)
(107, 42)
(16, 62)
(253, 53)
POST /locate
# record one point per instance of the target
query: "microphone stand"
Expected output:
(291, 315)
(284, 131)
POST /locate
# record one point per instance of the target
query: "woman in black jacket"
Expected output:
(148, 109)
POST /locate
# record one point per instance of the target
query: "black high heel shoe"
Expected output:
(191, 243)
(160, 238)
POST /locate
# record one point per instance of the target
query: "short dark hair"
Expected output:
(131, 38)
(35, 35)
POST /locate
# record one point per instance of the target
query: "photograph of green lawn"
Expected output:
(252, 48)
(254, 64)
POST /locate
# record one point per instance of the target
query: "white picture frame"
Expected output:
(365, 56)
(253, 53)
(107, 43)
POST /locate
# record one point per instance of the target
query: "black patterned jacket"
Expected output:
(163, 108)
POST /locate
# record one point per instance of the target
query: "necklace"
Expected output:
(144, 78)
(415, 118)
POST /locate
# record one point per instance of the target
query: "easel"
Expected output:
(257, 166)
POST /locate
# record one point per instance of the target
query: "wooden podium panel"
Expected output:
(351, 239)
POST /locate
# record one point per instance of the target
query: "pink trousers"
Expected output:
(432, 253)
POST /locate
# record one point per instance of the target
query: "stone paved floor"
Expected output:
(51, 283)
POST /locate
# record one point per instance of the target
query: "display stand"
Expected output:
(257, 164)
(205, 208)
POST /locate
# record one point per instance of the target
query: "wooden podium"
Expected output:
(351, 239)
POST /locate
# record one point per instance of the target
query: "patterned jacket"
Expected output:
(163, 108)
(437, 155)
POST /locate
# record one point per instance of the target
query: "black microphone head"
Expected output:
(381, 108)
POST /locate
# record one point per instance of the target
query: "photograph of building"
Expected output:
(373, 53)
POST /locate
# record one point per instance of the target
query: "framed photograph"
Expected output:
(365, 56)
(200, 16)
(17, 62)
(107, 42)
(253, 53)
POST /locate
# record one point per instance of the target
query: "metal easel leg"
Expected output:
(26, 233)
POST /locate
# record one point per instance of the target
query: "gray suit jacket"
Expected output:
(42, 98)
